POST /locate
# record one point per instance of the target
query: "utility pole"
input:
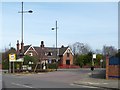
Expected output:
(56, 43)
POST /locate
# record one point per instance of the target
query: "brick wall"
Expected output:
(112, 71)
(31, 51)
(68, 58)
(107, 67)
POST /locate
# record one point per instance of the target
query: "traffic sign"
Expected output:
(12, 57)
(94, 56)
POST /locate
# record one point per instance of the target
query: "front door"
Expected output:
(67, 62)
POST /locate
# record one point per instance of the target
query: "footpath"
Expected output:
(98, 80)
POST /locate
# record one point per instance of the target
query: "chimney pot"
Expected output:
(42, 44)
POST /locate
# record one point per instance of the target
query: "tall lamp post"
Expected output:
(22, 43)
(22, 12)
(56, 43)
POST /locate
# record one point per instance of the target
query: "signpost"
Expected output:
(92, 67)
(101, 62)
(12, 58)
(93, 57)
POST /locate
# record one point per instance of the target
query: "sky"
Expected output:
(92, 23)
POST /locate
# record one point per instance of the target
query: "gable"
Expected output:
(31, 48)
(68, 50)
(62, 50)
(26, 48)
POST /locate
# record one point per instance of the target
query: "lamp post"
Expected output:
(22, 44)
(101, 63)
(22, 12)
(56, 43)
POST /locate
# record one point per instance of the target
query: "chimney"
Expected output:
(42, 44)
(62, 46)
(18, 45)
(22, 47)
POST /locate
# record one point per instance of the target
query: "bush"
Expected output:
(5, 64)
(51, 66)
(44, 70)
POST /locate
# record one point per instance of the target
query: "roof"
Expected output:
(47, 50)
(62, 50)
(26, 48)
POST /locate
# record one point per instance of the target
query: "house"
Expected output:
(64, 55)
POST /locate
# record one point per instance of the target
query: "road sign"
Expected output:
(101, 60)
(12, 57)
(94, 56)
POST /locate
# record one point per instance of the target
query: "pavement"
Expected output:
(98, 80)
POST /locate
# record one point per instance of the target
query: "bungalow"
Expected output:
(48, 54)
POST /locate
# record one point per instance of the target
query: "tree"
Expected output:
(88, 58)
(98, 58)
(98, 51)
(80, 60)
(5, 57)
(118, 54)
(28, 59)
(31, 59)
(81, 53)
(80, 48)
(109, 50)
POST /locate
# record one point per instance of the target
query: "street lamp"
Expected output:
(56, 43)
(101, 62)
(30, 11)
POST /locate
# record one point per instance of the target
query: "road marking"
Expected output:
(83, 86)
(89, 73)
(91, 83)
(105, 83)
(88, 87)
(22, 85)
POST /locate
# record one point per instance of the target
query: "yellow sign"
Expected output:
(12, 57)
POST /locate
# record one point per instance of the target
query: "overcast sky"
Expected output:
(94, 23)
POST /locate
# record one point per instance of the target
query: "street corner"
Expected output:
(99, 83)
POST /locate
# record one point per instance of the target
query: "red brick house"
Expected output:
(48, 54)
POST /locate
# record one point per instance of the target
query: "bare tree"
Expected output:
(80, 48)
(109, 50)
(98, 51)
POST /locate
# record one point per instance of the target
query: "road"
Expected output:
(57, 79)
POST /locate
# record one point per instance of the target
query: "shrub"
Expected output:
(51, 66)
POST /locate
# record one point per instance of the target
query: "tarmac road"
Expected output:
(57, 79)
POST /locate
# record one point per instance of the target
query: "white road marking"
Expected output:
(82, 86)
(89, 73)
(88, 87)
(105, 83)
(91, 83)
(22, 85)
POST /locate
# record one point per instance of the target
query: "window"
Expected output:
(31, 54)
(68, 54)
(49, 54)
